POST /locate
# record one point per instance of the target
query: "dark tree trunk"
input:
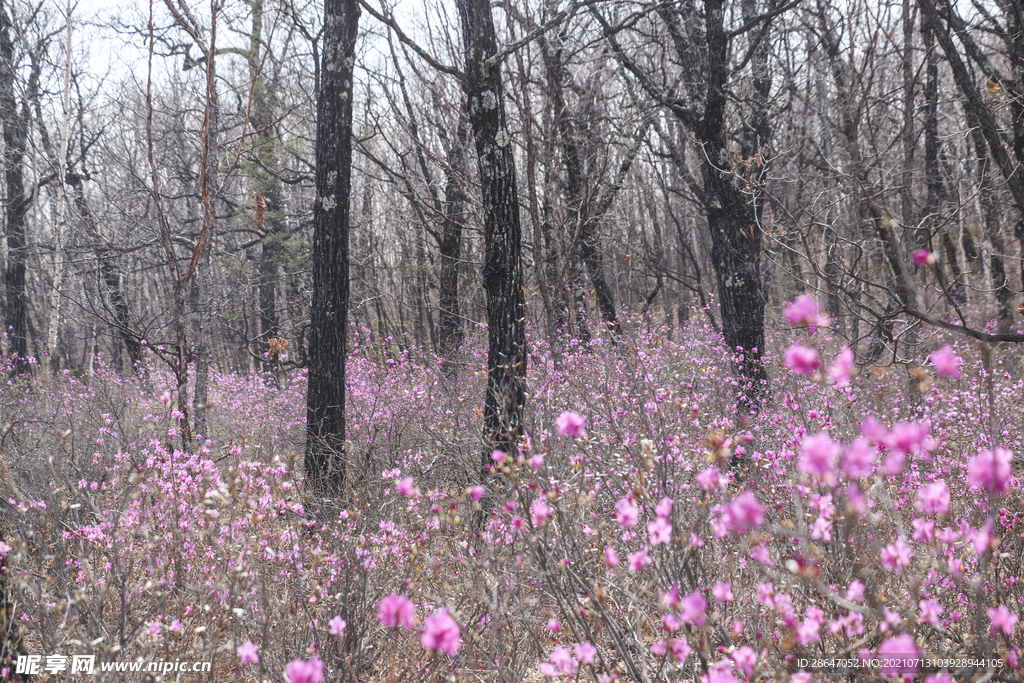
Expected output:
(732, 218)
(503, 267)
(325, 402)
(16, 128)
(450, 247)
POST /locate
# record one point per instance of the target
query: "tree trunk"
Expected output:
(15, 127)
(450, 318)
(733, 219)
(503, 267)
(325, 402)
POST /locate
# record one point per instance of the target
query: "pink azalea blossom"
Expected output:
(310, 671)
(406, 487)
(554, 625)
(248, 653)
(818, 455)
(841, 370)
(805, 311)
(563, 661)
(441, 633)
(680, 649)
(712, 479)
(759, 553)
(1002, 620)
(801, 676)
(924, 529)
(540, 512)
(929, 612)
(664, 508)
(745, 659)
(585, 652)
(337, 627)
(638, 560)
(802, 360)
(933, 499)
(628, 513)
(571, 424)
(946, 362)
(477, 492)
(990, 469)
(692, 609)
(722, 591)
(944, 677)
(923, 257)
(855, 591)
(901, 652)
(670, 622)
(659, 531)
(872, 430)
(396, 610)
(896, 556)
(611, 557)
(742, 514)
(859, 459)
(537, 460)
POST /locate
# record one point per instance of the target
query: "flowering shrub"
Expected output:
(650, 527)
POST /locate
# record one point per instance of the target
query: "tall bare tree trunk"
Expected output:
(328, 331)
(15, 127)
(503, 267)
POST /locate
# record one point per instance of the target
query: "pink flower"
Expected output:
(298, 671)
(670, 622)
(719, 673)
(896, 555)
(808, 631)
(627, 511)
(924, 529)
(723, 591)
(554, 625)
(563, 661)
(801, 676)
(664, 508)
(337, 627)
(477, 492)
(929, 611)
(923, 256)
(406, 487)
(742, 514)
(855, 591)
(585, 652)
(805, 311)
(497, 456)
(712, 479)
(933, 499)
(841, 369)
(693, 608)
(540, 512)
(1002, 619)
(396, 610)
(247, 653)
(611, 557)
(818, 455)
(680, 649)
(981, 538)
(571, 424)
(441, 632)
(660, 531)
(537, 460)
(901, 652)
(154, 628)
(872, 430)
(175, 626)
(802, 360)
(990, 469)
(943, 677)
(946, 362)
(759, 553)
(638, 560)
(745, 659)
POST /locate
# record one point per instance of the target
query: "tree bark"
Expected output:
(325, 461)
(16, 128)
(503, 267)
